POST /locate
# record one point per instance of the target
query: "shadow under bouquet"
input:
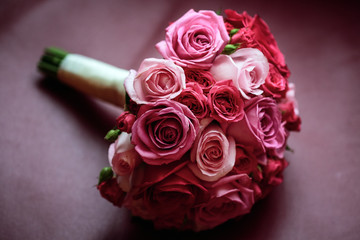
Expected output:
(204, 129)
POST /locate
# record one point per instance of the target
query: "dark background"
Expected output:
(51, 137)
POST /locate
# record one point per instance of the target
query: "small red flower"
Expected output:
(125, 121)
(111, 191)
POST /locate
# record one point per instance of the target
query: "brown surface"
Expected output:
(51, 142)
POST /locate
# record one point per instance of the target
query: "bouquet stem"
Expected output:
(87, 75)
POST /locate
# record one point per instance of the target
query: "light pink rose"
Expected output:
(195, 39)
(213, 154)
(156, 79)
(231, 197)
(247, 68)
(122, 156)
(164, 131)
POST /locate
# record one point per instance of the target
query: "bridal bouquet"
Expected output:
(204, 129)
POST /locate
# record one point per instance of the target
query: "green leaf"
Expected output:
(48, 68)
(112, 135)
(288, 148)
(56, 52)
(231, 48)
(234, 31)
(105, 174)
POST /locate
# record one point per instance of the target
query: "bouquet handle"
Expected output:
(87, 75)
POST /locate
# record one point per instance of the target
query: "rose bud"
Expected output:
(125, 121)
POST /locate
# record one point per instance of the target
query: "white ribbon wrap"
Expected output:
(94, 78)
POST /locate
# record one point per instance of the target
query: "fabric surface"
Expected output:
(51, 141)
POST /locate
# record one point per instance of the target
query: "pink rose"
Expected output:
(213, 154)
(156, 79)
(264, 39)
(225, 102)
(260, 128)
(195, 39)
(247, 68)
(231, 197)
(125, 121)
(164, 131)
(244, 135)
(202, 77)
(122, 156)
(275, 85)
(264, 118)
(192, 96)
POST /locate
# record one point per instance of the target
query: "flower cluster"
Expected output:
(205, 129)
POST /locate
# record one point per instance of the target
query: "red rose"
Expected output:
(264, 39)
(245, 160)
(225, 102)
(192, 96)
(289, 110)
(293, 121)
(245, 37)
(257, 191)
(275, 84)
(273, 174)
(132, 106)
(236, 19)
(202, 77)
(165, 194)
(228, 27)
(231, 197)
(125, 121)
(111, 191)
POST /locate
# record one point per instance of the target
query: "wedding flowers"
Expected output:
(156, 79)
(247, 68)
(164, 131)
(203, 132)
(195, 39)
(213, 154)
